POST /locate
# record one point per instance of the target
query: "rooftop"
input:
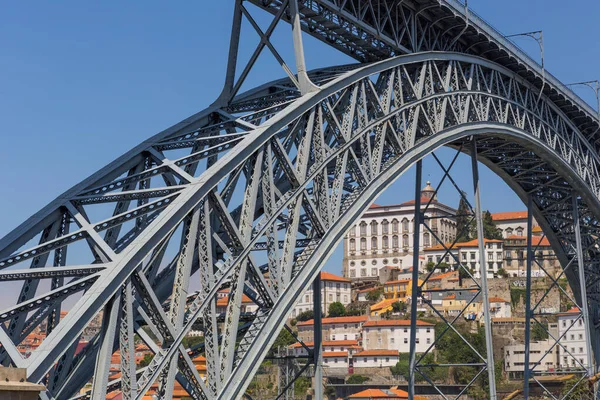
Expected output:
(335, 354)
(326, 276)
(510, 215)
(394, 322)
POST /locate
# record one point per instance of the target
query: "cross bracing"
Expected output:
(254, 193)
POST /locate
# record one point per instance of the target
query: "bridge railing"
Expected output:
(521, 55)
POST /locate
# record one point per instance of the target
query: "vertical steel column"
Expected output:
(582, 289)
(234, 44)
(415, 283)
(318, 338)
(527, 371)
(483, 273)
(306, 84)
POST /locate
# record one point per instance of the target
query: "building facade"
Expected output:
(543, 357)
(571, 330)
(333, 289)
(334, 329)
(384, 235)
(512, 223)
(395, 335)
(515, 256)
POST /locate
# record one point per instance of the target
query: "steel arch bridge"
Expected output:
(254, 193)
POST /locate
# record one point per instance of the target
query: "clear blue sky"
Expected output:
(83, 82)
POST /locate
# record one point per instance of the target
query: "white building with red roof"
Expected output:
(512, 223)
(384, 235)
(378, 358)
(394, 334)
(334, 329)
(333, 289)
(571, 330)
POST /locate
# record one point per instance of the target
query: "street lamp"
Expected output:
(538, 36)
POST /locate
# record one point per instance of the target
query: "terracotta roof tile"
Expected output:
(394, 322)
(335, 354)
(506, 216)
(326, 276)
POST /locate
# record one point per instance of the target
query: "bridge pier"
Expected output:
(14, 385)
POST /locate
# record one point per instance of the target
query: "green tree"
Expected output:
(581, 391)
(305, 316)
(284, 339)
(399, 307)
(356, 379)
(144, 362)
(433, 373)
(502, 273)
(430, 266)
(490, 230)
(463, 221)
(538, 332)
(329, 392)
(374, 295)
(336, 309)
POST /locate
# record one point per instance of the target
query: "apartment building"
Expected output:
(515, 256)
(333, 289)
(376, 359)
(571, 330)
(384, 235)
(334, 329)
(395, 335)
(543, 357)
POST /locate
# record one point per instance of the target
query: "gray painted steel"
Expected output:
(269, 181)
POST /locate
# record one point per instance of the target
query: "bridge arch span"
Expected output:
(269, 185)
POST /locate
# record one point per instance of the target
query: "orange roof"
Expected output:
(335, 354)
(366, 290)
(450, 297)
(572, 310)
(475, 242)
(506, 216)
(375, 205)
(383, 304)
(536, 229)
(326, 276)
(337, 320)
(443, 276)
(377, 352)
(497, 300)
(400, 281)
(449, 246)
(394, 322)
(380, 394)
(223, 301)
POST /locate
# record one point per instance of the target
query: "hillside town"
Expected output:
(366, 324)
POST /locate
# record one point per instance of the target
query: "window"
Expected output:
(385, 227)
(405, 225)
(363, 272)
(307, 299)
(363, 244)
(472, 255)
(386, 243)
(363, 228)
(499, 256)
(405, 340)
(581, 349)
(373, 271)
(387, 359)
(519, 231)
(373, 243)
(374, 227)
(352, 245)
(490, 256)
(464, 256)
(375, 359)
(426, 241)
(508, 255)
(428, 340)
(345, 298)
(330, 297)
(417, 340)
(509, 232)
(395, 226)
(405, 241)
(395, 243)
(352, 273)
(353, 231)
(392, 340)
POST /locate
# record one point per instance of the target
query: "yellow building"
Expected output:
(393, 291)
(399, 290)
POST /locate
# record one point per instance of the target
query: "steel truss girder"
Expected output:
(420, 102)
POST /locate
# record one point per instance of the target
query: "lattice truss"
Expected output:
(253, 197)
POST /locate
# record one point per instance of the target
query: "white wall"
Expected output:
(374, 361)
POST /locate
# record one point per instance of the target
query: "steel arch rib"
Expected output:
(452, 95)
